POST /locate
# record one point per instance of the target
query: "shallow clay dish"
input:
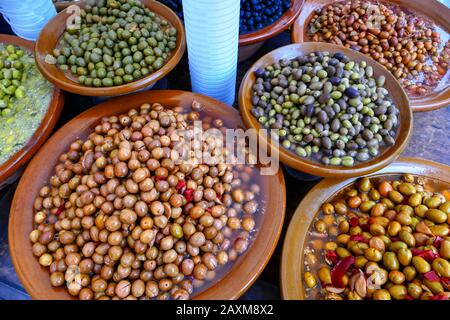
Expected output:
(44, 129)
(315, 168)
(292, 258)
(36, 280)
(49, 36)
(251, 42)
(435, 11)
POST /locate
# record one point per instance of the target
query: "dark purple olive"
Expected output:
(259, 73)
(339, 56)
(309, 110)
(335, 81)
(351, 92)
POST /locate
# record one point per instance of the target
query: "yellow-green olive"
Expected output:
(442, 267)
(365, 185)
(420, 210)
(396, 196)
(374, 194)
(396, 277)
(366, 206)
(436, 215)
(404, 256)
(398, 292)
(343, 238)
(404, 218)
(433, 202)
(310, 280)
(409, 272)
(415, 200)
(414, 290)
(435, 286)
(342, 252)
(444, 249)
(406, 188)
(373, 254)
(390, 261)
(320, 226)
(407, 238)
(440, 230)
(445, 207)
(421, 265)
(360, 261)
(397, 245)
(381, 294)
(325, 275)
(389, 204)
(394, 228)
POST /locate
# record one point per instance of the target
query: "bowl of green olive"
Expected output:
(380, 237)
(110, 48)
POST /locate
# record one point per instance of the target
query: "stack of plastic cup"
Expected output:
(27, 17)
(212, 32)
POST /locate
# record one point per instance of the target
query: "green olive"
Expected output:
(396, 196)
(396, 277)
(445, 207)
(404, 256)
(381, 294)
(409, 272)
(414, 290)
(310, 280)
(442, 267)
(436, 215)
(433, 202)
(397, 245)
(390, 261)
(366, 206)
(406, 188)
(440, 230)
(435, 286)
(373, 254)
(365, 184)
(342, 252)
(415, 200)
(420, 210)
(325, 275)
(398, 292)
(444, 249)
(407, 238)
(421, 265)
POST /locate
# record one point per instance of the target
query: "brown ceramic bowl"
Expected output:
(234, 283)
(435, 11)
(49, 36)
(316, 168)
(43, 131)
(251, 42)
(292, 264)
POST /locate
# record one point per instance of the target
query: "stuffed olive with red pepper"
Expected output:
(381, 239)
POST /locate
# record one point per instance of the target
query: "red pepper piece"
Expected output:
(428, 255)
(60, 210)
(188, 194)
(359, 238)
(432, 276)
(408, 297)
(445, 281)
(340, 269)
(365, 227)
(332, 256)
(354, 222)
(180, 185)
(439, 297)
(437, 241)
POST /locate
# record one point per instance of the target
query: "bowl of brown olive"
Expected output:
(115, 207)
(411, 40)
(380, 237)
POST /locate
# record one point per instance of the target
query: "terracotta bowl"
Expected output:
(292, 264)
(234, 283)
(251, 42)
(49, 36)
(43, 131)
(435, 11)
(315, 168)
